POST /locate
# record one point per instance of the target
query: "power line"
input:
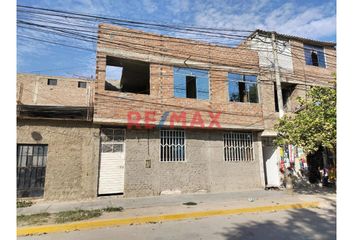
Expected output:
(56, 43)
(68, 32)
(96, 17)
(72, 31)
(75, 31)
(122, 30)
(92, 50)
(87, 17)
(110, 42)
(150, 49)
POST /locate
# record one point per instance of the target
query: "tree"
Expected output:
(314, 125)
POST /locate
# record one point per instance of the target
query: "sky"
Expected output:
(315, 19)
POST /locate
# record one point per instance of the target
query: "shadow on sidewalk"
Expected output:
(299, 224)
(302, 186)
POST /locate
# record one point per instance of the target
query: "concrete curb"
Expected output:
(158, 218)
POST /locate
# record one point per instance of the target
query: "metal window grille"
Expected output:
(172, 147)
(238, 147)
(112, 140)
(31, 167)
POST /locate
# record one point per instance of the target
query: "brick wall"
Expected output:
(301, 75)
(268, 103)
(309, 74)
(164, 53)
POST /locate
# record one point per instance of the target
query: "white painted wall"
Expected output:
(263, 46)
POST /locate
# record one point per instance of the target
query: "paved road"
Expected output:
(309, 224)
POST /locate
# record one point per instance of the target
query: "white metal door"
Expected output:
(111, 175)
(272, 160)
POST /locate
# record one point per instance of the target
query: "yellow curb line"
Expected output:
(158, 218)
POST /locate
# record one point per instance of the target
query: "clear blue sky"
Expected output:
(314, 19)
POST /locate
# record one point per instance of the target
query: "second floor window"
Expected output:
(52, 82)
(126, 75)
(314, 55)
(243, 88)
(191, 83)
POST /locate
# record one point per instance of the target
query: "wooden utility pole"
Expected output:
(277, 77)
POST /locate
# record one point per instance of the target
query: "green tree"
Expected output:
(314, 125)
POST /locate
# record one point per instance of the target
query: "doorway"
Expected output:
(271, 162)
(112, 161)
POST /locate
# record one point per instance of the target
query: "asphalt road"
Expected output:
(309, 224)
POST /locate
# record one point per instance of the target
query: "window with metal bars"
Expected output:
(172, 146)
(112, 140)
(238, 147)
(31, 168)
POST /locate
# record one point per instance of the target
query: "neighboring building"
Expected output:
(57, 144)
(303, 63)
(165, 115)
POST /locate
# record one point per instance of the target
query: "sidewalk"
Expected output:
(170, 208)
(209, 200)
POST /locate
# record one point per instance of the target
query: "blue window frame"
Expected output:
(191, 83)
(314, 55)
(242, 88)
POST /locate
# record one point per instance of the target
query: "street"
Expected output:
(312, 223)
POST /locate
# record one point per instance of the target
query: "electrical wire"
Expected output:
(91, 36)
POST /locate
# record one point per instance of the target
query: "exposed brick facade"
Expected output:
(164, 53)
(308, 74)
(294, 72)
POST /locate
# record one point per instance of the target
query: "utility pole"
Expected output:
(277, 77)
(287, 176)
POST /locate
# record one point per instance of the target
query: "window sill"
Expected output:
(243, 102)
(316, 66)
(193, 99)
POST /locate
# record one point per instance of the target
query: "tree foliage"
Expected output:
(314, 125)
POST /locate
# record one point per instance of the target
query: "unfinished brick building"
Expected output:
(170, 115)
(169, 91)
